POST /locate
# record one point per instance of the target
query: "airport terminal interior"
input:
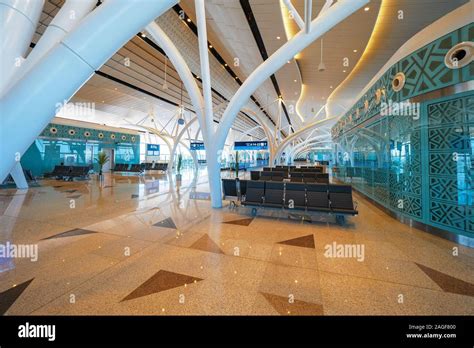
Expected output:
(237, 157)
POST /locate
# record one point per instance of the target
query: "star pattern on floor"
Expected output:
(166, 223)
(71, 233)
(291, 306)
(161, 281)
(8, 297)
(304, 241)
(448, 283)
(240, 222)
(205, 243)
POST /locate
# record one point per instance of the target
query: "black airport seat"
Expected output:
(317, 197)
(267, 169)
(278, 176)
(255, 175)
(229, 188)
(309, 179)
(243, 187)
(78, 172)
(255, 193)
(274, 194)
(266, 176)
(296, 175)
(340, 197)
(136, 168)
(296, 179)
(322, 178)
(295, 196)
(60, 171)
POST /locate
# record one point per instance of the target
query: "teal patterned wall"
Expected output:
(418, 165)
(87, 134)
(78, 146)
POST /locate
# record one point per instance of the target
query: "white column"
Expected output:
(68, 18)
(18, 21)
(65, 69)
(327, 20)
(212, 158)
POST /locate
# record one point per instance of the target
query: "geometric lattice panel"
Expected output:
(448, 214)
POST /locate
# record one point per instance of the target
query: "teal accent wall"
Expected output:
(418, 166)
(77, 146)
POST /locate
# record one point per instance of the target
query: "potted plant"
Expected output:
(102, 159)
(236, 164)
(178, 167)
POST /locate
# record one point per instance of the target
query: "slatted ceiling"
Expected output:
(146, 72)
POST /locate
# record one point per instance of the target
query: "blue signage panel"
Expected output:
(197, 146)
(251, 145)
(153, 150)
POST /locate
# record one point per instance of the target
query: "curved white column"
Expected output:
(297, 134)
(178, 138)
(181, 67)
(68, 18)
(319, 26)
(65, 69)
(18, 21)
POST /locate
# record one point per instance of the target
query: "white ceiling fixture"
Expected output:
(321, 66)
(165, 84)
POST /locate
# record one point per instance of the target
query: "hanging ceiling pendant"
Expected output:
(181, 108)
(165, 84)
(321, 66)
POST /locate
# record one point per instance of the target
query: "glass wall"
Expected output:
(73, 146)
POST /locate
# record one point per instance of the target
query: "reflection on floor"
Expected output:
(143, 246)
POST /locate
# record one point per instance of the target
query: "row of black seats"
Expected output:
(308, 170)
(313, 197)
(155, 166)
(322, 178)
(294, 176)
(70, 172)
(125, 167)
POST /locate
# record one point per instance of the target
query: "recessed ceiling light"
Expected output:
(225, 64)
(355, 51)
(343, 71)
(143, 35)
(189, 20)
(288, 62)
(210, 46)
(366, 8)
(330, 87)
(278, 38)
(295, 80)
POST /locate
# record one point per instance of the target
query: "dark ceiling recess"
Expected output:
(261, 46)
(219, 58)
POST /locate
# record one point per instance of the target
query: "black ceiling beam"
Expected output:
(129, 85)
(261, 47)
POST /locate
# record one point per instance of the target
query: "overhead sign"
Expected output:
(153, 150)
(197, 146)
(251, 145)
